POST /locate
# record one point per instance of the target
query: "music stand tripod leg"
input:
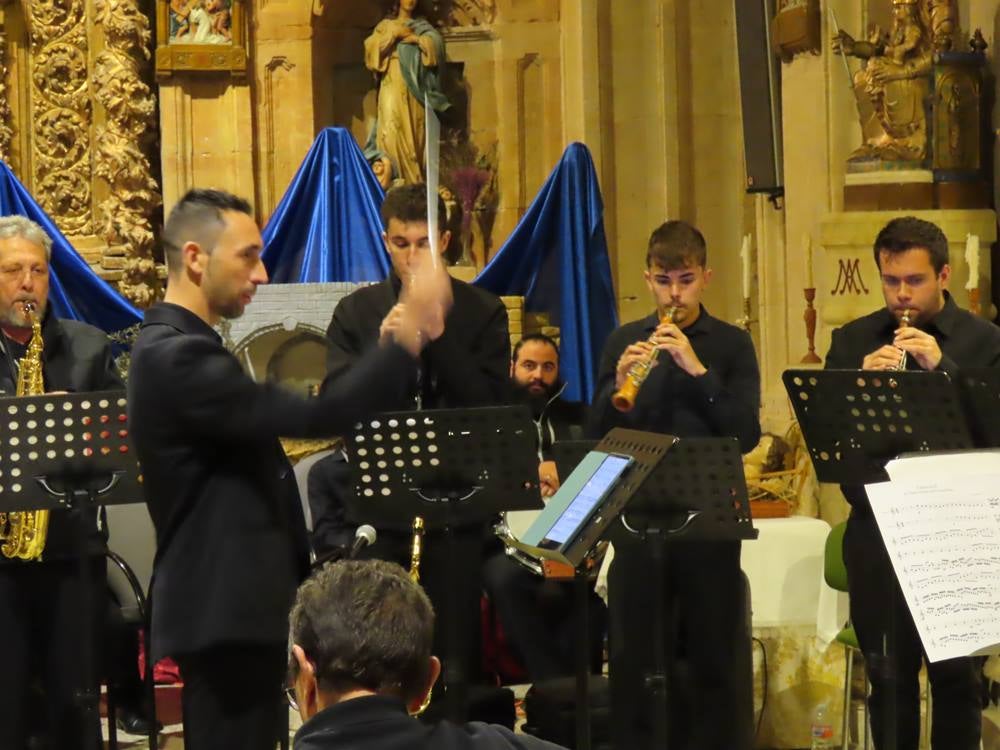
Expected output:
(78, 501)
(657, 680)
(581, 584)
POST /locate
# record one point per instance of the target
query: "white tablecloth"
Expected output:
(785, 568)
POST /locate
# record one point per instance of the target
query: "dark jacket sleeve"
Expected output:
(215, 398)
(732, 404)
(477, 375)
(840, 357)
(602, 415)
(106, 377)
(345, 342)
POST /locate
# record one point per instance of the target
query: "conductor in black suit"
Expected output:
(231, 540)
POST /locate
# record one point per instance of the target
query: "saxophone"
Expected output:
(416, 548)
(23, 532)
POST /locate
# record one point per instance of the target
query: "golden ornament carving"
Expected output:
(61, 117)
(123, 146)
(6, 116)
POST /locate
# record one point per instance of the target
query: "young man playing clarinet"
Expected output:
(704, 384)
(920, 328)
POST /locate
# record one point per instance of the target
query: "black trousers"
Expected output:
(879, 614)
(233, 696)
(42, 636)
(540, 618)
(710, 670)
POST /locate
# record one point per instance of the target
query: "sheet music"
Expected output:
(943, 538)
(923, 466)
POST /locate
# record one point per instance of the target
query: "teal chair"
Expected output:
(835, 573)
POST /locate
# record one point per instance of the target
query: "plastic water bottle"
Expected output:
(822, 730)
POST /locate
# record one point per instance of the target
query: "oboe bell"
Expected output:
(624, 399)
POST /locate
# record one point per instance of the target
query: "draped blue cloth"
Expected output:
(557, 258)
(75, 291)
(327, 226)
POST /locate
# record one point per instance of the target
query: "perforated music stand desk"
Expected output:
(696, 490)
(454, 468)
(855, 421)
(69, 451)
(980, 391)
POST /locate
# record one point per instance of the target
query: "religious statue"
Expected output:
(892, 86)
(404, 52)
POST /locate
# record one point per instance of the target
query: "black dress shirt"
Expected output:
(380, 722)
(467, 366)
(966, 340)
(231, 540)
(724, 402)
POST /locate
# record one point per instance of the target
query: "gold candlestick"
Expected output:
(974, 307)
(809, 316)
(745, 320)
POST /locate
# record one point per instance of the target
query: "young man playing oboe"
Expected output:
(705, 383)
(920, 328)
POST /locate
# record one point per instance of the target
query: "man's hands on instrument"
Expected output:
(920, 345)
(634, 354)
(424, 304)
(916, 343)
(671, 339)
(548, 478)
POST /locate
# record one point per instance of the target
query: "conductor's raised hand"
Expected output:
(426, 298)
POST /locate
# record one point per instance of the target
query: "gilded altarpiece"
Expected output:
(79, 126)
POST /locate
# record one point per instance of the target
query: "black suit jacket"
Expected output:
(467, 366)
(379, 722)
(231, 541)
(75, 357)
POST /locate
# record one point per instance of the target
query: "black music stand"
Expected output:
(980, 391)
(647, 450)
(71, 452)
(698, 492)
(455, 468)
(855, 421)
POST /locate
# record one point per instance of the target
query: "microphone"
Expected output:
(363, 537)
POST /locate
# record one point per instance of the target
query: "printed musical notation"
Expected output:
(942, 532)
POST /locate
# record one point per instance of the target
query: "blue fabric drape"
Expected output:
(75, 291)
(327, 226)
(557, 258)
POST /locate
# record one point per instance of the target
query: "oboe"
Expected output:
(624, 398)
(903, 321)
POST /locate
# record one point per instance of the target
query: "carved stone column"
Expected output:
(121, 161)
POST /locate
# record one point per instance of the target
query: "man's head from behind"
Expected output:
(534, 366)
(676, 271)
(361, 627)
(25, 250)
(212, 246)
(405, 230)
(912, 258)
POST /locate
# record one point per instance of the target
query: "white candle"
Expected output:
(745, 262)
(807, 242)
(972, 260)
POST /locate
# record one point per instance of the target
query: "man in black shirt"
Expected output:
(706, 384)
(466, 367)
(361, 634)
(230, 534)
(538, 615)
(42, 602)
(912, 258)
